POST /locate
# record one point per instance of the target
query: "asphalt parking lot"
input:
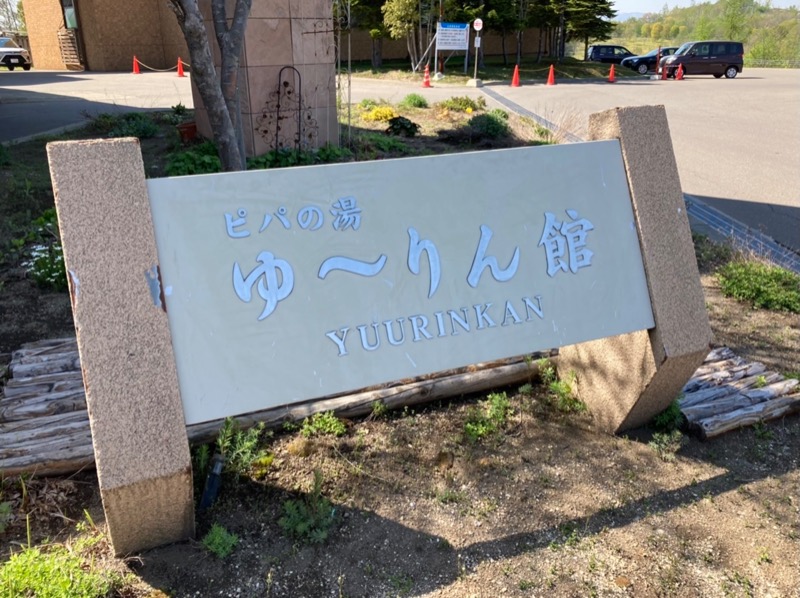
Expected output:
(736, 142)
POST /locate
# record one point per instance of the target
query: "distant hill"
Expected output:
(624, 16)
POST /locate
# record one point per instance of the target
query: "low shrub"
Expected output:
(413, 100)
(199, 159)
(489, 126)
(400, 125)
(762, 285)
(133, 124)
(463, 104)
(380, 114)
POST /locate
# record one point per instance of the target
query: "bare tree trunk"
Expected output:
(219, 95)
(377, 52)
(540, 46)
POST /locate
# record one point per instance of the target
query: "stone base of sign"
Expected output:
(474, 83)
(135, 410)
(626, 380)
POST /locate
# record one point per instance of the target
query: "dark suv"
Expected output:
(706, 58)
(608, 54)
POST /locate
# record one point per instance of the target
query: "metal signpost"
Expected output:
(477, 24)
(452, 36)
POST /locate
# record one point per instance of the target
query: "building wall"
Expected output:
(114, 31)
(43, 19)
(396, 49)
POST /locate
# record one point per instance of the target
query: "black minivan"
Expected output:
(706, 58)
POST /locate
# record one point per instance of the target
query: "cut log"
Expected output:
(747, 416)
(718, 354)
(708, 394)
(51, 404)
(51, 442)
(363, 403)
(740, 400)
(722, 376)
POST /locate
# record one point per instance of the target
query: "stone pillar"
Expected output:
(287, 77)
(626, 380)
(135, 411)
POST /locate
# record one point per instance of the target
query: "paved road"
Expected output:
(737, 142)
(36, 102)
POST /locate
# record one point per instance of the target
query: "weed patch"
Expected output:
(219, 541)
(323, 424)
(670, 419)
(309, 519)
(240, 448)
(667, 444)
(489, 126)
(488, 418)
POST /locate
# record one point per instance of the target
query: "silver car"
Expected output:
(13, 56)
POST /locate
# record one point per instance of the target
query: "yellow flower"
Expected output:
(469, 110)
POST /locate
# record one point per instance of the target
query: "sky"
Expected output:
(656, 5)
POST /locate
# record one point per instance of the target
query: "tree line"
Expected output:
(557, 21)
(771, 34)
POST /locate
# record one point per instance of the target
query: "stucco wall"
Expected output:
(43, 19)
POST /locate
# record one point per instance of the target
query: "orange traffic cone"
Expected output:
(679, 73)
(611, 77)
(426, 79)
(551, 77)
(664, 73)
(135, 66)
(180, 67)
(515, 78)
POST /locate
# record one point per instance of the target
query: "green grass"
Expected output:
(763, 286)
(54, 572)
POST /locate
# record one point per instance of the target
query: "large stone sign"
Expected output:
(286, 285)
(197, 298)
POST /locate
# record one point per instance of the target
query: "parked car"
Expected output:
(706, 58)
(12, 56)
(608, 54)
(646, 62)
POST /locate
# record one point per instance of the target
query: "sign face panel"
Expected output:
(477, 24)
(290, 284)
(452, 36)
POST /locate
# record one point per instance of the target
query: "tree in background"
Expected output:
(220, 93)
(367, 15)
(735, 18)
(501, 17)
(10, 12)
(401, 18)
(590, 20)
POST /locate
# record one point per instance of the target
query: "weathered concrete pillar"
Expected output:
(626, 380)
(138, 430)
(287, 76)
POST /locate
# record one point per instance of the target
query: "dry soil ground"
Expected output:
(545, 507)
